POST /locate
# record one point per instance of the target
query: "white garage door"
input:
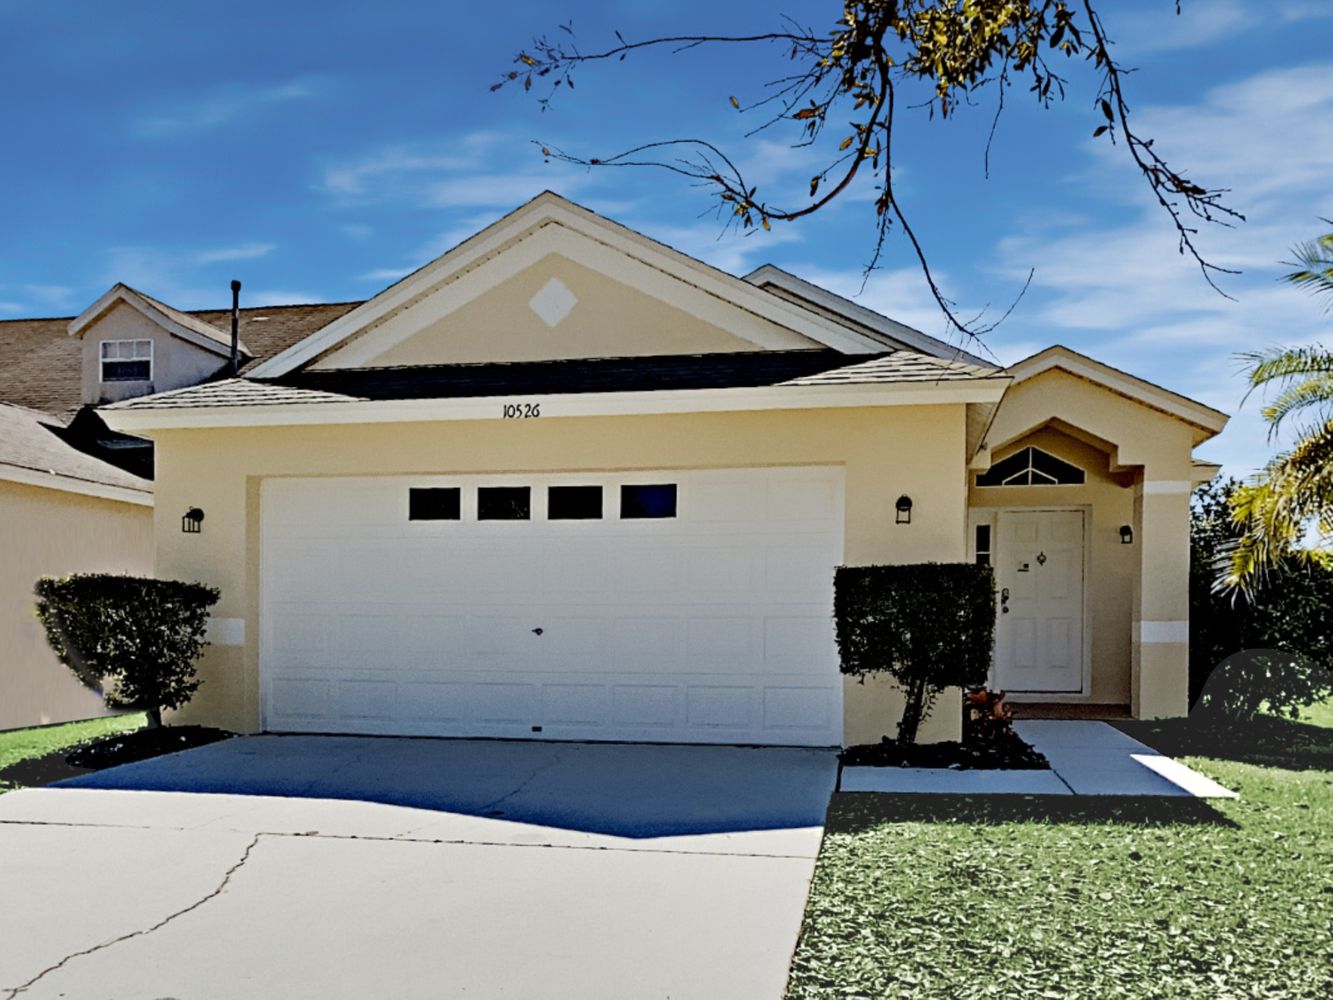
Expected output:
(671, 606)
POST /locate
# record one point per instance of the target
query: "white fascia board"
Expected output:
(600, 404)
(909, 337)
(1122, 383)
(549, 209)
(71, 484)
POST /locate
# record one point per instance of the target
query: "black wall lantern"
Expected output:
(904, 508)
(1126, 535)
(193, 521)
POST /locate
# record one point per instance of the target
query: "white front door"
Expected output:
(557, 615)
(1039, 629)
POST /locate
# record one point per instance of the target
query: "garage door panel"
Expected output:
(500, 702)
(798, 709)
(724, 572)
(803, 498)
(428, 704)
(650, 706)
(715, 706)
(575, 704)
(302, 698)
(364, 699)
(713, 625)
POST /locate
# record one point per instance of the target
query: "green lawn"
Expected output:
(28, 744)
(1083, 897)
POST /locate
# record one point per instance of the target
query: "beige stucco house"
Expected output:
(61, 511)
(565, 482)
(74, 495)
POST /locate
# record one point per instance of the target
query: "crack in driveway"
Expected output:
(489, 808)
(217, 891)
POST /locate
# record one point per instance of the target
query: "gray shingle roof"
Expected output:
(636, 374)
(230, 392)
(41, 364)
(31, 441)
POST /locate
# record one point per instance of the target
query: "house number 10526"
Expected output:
(521, 411)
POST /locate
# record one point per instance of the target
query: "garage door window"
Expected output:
(504, 503)
(641, 501)
(574, 503)
(434, 504)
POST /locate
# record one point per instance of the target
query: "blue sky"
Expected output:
(317, 151)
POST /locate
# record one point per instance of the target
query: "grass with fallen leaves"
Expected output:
(1006, 896)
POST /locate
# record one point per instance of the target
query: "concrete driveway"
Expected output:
(327, 867)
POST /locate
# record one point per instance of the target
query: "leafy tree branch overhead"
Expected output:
(842, 89)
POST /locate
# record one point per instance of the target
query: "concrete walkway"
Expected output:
(330, 867)
(1087, 758)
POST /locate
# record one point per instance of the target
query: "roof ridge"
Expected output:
(285, 305)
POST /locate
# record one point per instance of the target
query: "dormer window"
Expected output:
(127, 360)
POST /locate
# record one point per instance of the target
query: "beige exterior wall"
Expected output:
(1150, 450)
(176, 362)
(1108, 501)
(45, 532)
(610, 319)
(918, 450)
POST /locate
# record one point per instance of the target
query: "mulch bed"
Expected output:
(141, 744)
(109, 751)
(1003, 751)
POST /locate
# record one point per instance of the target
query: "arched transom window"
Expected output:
(1031, 467)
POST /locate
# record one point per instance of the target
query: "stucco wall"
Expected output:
(1109, 573)
(609, 319)
(176, 363)
(46, 532)
(1154, 449)
(886, 452)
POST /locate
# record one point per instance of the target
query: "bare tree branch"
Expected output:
(956, 50)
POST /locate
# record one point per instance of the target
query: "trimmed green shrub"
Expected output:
(133, 640)
(1271, 649)
(927, 625)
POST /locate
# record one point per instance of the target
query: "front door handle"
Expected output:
(1004, 601)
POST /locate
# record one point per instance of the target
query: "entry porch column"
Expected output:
(1159, 675)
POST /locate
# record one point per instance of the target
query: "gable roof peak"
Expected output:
(171, 319)
(603, 237)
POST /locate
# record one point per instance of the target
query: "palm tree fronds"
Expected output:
(1279, 363)
(1274, 511)
(1316, 391)
(1314, 265)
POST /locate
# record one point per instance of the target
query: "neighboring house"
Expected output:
(61, 511)
(565, 482)
(76, 496)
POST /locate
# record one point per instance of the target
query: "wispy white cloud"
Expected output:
(281, 297)
(48, 296)
(249, 251)
(1161, 29)
(1269, 134)
(711, 240)
(174, 278)
(1122, 292)
(385, 275)
(204, 111)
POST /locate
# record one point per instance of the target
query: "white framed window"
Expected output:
(127, 360)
